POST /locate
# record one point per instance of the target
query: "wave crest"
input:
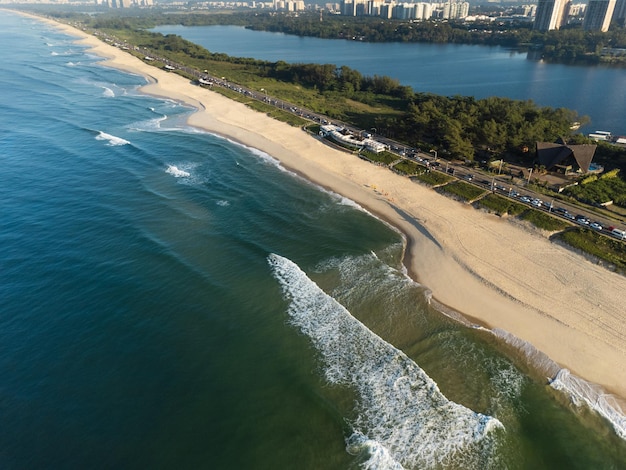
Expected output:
(177, 172)
(402, 419)
(111, 139)
(582, 392)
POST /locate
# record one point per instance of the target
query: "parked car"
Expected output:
(596, 226)
(581, 219)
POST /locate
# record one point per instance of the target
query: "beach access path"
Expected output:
(500, 274)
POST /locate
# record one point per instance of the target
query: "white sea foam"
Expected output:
(111, 139)
(403, 420)
(583, 392)
(177, 172)
(579, 390)
(222, 203)
(150, 125)
(108, 93)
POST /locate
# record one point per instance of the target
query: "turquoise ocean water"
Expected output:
(169, 299)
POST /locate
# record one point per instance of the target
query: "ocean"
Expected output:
(171, 299)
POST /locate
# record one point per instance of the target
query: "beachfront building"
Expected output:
(565, 159)
(347, 139)
(551, 14)
(598, 15)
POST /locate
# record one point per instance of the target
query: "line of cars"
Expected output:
(579, 218)
(539, 204)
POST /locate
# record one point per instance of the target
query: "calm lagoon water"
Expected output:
(169, 299)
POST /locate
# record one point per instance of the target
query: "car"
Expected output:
(621, 234)
(581, 219)
(567, 215)
(596, 226)
(562, 210)
(514, 194)
(525, 199)
(469, 177)
(537, 202)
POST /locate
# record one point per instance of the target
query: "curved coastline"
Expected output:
(501, 276)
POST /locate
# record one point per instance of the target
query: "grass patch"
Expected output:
(591, 242)
(386, 158)
(409, 168)
(433, 178)
(501, 205)
(544, 221)
(461, 189)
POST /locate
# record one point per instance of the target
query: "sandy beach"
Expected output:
(499, 273)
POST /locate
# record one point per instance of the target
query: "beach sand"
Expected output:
(498, 273)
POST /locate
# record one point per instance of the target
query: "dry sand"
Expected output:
(499, 273)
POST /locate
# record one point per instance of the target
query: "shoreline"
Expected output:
(491, 271)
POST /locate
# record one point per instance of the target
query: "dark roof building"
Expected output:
(565, 158)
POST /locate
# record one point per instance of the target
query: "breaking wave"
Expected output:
(107, 92)
(583, 392)
(402, 418)
(177, 172)
(111, 139)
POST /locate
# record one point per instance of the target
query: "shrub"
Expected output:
(463, 190)
(543, 220)
(501, 205)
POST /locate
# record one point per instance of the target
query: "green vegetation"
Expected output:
(408, 167)
(501, 205)
(463, 190)
(609, 187)
(591, 242)
(543, 221)
(386, 158)
(433, 178)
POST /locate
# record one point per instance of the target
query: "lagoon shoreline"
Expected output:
(497, 273)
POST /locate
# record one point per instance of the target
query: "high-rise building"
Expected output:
(551, 14)
(598, 15)
(619, 13)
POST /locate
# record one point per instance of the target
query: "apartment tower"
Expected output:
(551, 14)
(598, 15)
